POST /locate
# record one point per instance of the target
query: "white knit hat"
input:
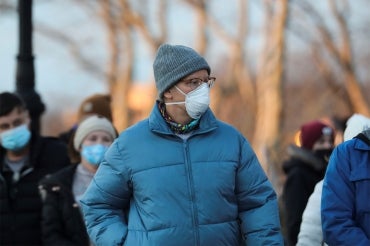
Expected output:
(355, 125)
(90, 124)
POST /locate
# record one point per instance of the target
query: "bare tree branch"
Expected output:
(200, 8)
(340, 54)
(269, 85)
(74, 47)
(7, 7)
(109, 19)
(353, 86)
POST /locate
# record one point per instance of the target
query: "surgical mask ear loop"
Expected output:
(176, 103)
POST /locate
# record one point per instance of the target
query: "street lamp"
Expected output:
(25, 77)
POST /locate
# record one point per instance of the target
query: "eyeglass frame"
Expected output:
(194, 83)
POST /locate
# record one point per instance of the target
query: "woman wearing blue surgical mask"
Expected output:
(62, 221)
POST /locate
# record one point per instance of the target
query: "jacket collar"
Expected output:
(305, 157)
(208, 122)
(364, 143)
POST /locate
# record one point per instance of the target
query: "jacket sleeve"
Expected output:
(310, 231)
(257, 202)
(106, 199)
(338, 198)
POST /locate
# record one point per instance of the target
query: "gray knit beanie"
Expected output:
(91, 124)
(174, 62)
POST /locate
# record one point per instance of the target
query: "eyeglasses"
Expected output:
(196, 82)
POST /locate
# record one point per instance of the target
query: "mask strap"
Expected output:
(176, 103)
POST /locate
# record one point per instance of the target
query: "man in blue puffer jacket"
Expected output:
(181, 177)
(345, 202)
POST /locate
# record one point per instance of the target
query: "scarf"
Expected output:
(177, 128)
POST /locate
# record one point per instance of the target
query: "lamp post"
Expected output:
(25, 75)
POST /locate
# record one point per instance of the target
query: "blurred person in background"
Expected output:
(305, 167)
(96, 104)
(310, 233)
(181, 177)
(25, 158)
(345, 206)
(62, 221)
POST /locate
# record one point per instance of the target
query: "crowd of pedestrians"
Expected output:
(179, 177)
(311, 233)
(305, 167)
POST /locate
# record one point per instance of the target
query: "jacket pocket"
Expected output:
(360, 178)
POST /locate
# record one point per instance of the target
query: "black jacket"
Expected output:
(62, 222)
(303, 171)
(20, 203)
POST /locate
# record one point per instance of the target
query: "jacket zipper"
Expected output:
(192, 193)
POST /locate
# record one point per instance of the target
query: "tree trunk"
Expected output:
(269, 89)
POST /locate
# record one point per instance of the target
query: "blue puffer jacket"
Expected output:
(345, 205)
(154, 188)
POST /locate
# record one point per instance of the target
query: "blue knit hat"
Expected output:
(174, 62)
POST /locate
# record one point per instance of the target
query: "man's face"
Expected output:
(14, 119)
(186, 85)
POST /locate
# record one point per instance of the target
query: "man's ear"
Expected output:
(168, 94)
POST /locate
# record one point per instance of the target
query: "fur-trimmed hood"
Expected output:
(301, 156)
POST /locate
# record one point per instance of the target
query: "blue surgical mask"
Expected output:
(16, 138)
(94, 154)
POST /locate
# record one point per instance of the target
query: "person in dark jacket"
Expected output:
(305, 167)
(25, 158)
(181, 177)
(62, 221)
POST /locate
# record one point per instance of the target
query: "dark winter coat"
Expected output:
(62, 222)
(303, 171)
(20, 203)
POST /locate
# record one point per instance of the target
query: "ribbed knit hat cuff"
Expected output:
(91, 124)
